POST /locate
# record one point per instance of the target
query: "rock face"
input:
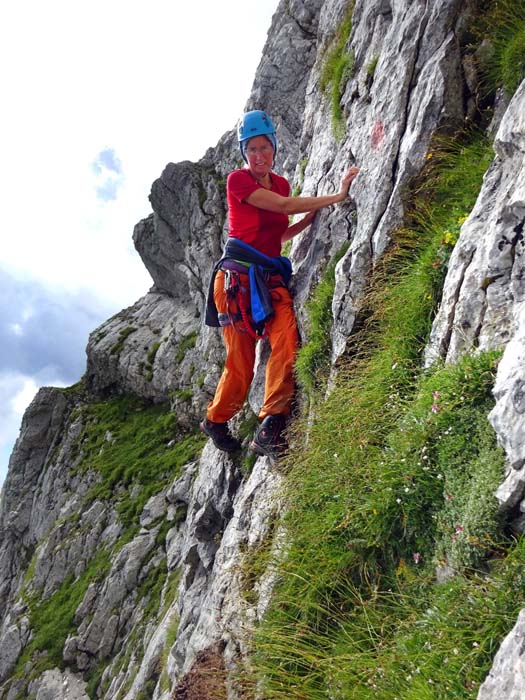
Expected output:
(483, 308)
(168, 601)
(484, 293)
(54, 685)
(507, 677)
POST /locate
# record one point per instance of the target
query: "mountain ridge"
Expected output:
(123, 537)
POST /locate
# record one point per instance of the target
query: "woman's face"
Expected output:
(259, 152)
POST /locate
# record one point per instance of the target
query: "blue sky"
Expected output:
(98, 97)
(107, 168)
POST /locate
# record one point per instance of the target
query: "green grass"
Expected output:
(336, 70)
(122, 337)
(300, 178)
(502, 63)
(126, 442)
(187, 343)
(313, 358)
(184, 395)
(397, 479)
(422, 641)
(513, 61)
(371, 67)
(150, 590)
(53, 619)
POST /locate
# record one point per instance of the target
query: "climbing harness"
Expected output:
(265, 274)
(235, 295)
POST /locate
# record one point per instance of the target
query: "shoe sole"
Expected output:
(221, 448)
(272, 456)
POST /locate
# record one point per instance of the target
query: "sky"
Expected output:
(97, 98)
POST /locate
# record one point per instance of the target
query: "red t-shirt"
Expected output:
(259, 228)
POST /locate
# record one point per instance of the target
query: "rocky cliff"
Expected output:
(124, 539)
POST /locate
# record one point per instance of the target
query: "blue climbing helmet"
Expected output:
(255, 123)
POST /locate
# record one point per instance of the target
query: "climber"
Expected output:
(248, 293)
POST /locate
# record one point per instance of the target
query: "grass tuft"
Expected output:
(337, 68)
(53, 619)
(396, 480)
(313, 358)
(136, 448)
(502, 63)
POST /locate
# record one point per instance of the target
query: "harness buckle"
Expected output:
(231, 283)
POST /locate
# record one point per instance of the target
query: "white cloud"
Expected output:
(127, 85)
(24, 396)
(109, 177)
(16, 393)
(151, 82)
(16, 329)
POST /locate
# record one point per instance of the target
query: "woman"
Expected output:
(248, 293)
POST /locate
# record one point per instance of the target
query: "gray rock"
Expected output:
(211, 607)
(55, 685)
(507, 676)
(180, 490)
(389, 128)
(484, 289)
(10, 650)
(484, 293)
(154, 509)
(160, 349)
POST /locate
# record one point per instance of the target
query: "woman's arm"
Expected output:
(271, 201)
(298, 227)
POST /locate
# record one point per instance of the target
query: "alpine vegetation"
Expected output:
(199, 520)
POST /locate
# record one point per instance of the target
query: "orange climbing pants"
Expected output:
(237, 375)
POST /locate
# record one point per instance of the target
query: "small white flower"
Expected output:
(398, 500)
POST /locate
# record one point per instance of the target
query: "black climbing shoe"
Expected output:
(221, 436)
(268, 440)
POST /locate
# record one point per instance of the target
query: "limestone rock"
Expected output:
(58, 685)
(159, 349)
(154, 509)
(390, 125)
(484, 289)
(27, 507)
(483, 303)
(211, 605)
(507, 676)
(10, 649)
